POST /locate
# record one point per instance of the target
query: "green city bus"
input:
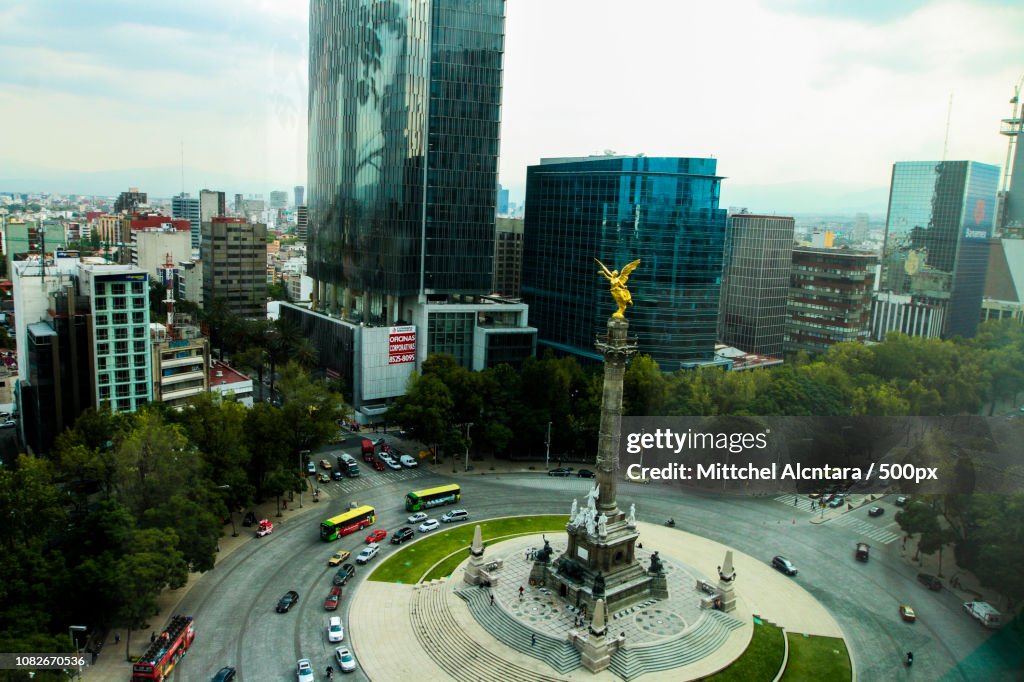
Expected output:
(433, 497)
(351, 521)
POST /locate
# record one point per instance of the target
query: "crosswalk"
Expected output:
(865, 529)
(803, 503)
(369, 479)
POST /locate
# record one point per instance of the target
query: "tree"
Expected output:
(425, 410)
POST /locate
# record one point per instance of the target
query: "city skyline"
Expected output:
(860, 88)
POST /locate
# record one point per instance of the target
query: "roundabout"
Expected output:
(454, 630)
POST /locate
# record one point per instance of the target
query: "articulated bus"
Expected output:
(433, 497)
(349, 522)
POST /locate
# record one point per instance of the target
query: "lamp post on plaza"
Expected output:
(547, 443)
(72, 629)
(468, 426)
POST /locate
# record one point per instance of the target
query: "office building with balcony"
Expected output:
(755, 283)
(830, 292)
(181, 362)
(662, 211)
(941, 216)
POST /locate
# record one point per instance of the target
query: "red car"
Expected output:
(378, 465)
(376, 536)
(331, 603)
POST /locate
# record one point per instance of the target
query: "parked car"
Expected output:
(901, 501)
(783, 564)
(561, 471)
(876, 511)
(345, 660)
(929, 581)
(408, 461)
(429, 525)
(344, 574)
(9, 424)
(335, 631)
(455, 515)
(401, 535)
(333, 597)
(368, 553)
(339, 557)
(907, 613)
(304, 670)
(225, 674)
(417, 517)
(376, 536)
(290, 599)
(585, 473)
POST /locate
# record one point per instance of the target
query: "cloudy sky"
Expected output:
(786, 94)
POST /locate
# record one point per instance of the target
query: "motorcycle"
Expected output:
(910, 659)
(671, 523)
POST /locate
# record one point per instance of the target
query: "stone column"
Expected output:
(726, 583)
(616, 350)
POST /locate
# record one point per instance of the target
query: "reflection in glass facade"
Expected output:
(663, 211)
(941, 214)
(392, 82)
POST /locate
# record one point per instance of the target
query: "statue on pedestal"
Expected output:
(592, 496)
(656, 565)
(544, 555)
(572, 514)
(602, 525)
(591, 521)
(618, 285)
(632, 515)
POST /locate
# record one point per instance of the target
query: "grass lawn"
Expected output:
(817, 658)
(762, 659)
(411, 563)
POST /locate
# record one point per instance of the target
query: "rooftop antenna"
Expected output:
(182, 169)
(1012, 127)
(949, 115)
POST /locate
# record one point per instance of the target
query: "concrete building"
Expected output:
(212, 204)
(755, 283)
(234, 256)
(188, 282)
(1004, 281)
(913, 316)
(27, 236)
(151, 248)
(230, 384)
(181, 362)
(302, 222)
(508, 257)
(829, 302)
(130, 201)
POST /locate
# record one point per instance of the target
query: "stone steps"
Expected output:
(559, 654)
(455, 652)
(709, 634)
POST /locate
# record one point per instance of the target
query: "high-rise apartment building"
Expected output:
(187, 207)
(829, 298)
(300, 195)
(129, 202)
(212, 204)
(234, 257)
(663, 211)
(302, 223)
(941, 215)
(755, 282)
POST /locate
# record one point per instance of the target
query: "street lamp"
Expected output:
(467, 444)
(231, 515)
(303, 473)
(74, 642)
(547, 443)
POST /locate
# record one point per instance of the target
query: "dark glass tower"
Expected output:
(663, 211)
(941, 215)
(404, 117)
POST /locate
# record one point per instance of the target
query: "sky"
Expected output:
(793, 97)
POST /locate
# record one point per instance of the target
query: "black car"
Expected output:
(585, 473)
(929, 581)
(783, 564)
(561, 471)
(287, 601)
(225, 674)
(401, 535)
(344, 574)
(876, 511)
(337, 475)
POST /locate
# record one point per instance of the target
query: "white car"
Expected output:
(304, 670)
(417, 517)
(368, 553)
(429, 525)
(408, 461)
(345, 660)
(392, 464)
(335, 631)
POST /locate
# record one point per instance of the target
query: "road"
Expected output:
(236, 623)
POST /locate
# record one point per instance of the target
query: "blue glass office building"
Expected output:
(663, 211)
(404, 117)
(941, 215)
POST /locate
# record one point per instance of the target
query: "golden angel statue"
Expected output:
(618, 280)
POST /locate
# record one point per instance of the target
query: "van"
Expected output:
(984, 613)
(455, 515)
(863, 551)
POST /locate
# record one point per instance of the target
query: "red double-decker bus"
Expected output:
(163, 654)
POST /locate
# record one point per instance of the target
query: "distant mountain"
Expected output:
(808, 197)
(163, 181)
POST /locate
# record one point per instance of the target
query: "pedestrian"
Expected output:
(152, 638)
(520, 593)
(639, 545)
(94, 655)
(285, 503)
(533, 639)
(527, 556)
(117, 638)
(492, 599)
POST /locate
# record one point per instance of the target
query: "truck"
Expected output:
(984, 613)
(348, 466)
(368, 450)
(164, 652)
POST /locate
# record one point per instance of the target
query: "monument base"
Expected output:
(595, 651)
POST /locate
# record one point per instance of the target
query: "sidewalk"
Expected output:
(112, 662)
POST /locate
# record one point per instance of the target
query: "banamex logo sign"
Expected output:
(401, 345)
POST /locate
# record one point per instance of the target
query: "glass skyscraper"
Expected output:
(663, 211)
(404, 118)
(941, 215)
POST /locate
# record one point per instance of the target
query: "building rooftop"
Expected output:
(222, 374)
(742, 360)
